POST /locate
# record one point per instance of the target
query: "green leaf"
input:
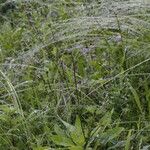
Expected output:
(127, 145)
(76, 148)
(59, 131)
(106, 119)
(110, 134)
(93, 109)
(41, 148)
(95, 131)
(147, 95)
(118, 145)
(62, 140)
(54, 51)
(77, 135)
(103, 123)
(136, 98)
(69, 127)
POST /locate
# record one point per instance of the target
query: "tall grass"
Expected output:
(74, 74)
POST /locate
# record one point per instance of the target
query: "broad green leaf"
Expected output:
(42, 148)
(77, 135)
(61, 140)
(76, 148)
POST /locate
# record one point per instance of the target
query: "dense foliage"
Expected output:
(74, 74)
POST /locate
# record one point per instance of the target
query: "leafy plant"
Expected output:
(74, 137)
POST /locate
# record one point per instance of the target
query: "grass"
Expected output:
(74, 75)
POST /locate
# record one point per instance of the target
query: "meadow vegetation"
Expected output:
(75, 74)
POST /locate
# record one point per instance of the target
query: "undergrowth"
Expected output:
(74, 75)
